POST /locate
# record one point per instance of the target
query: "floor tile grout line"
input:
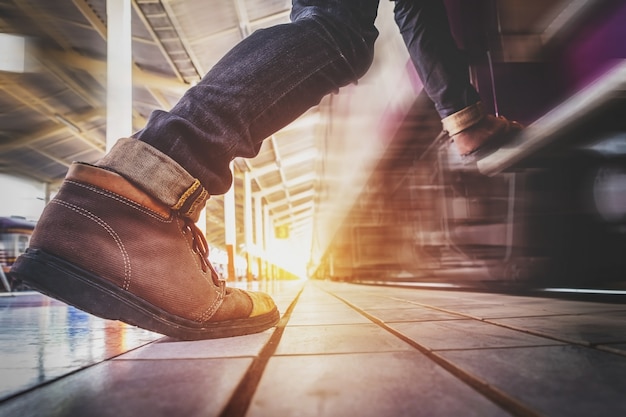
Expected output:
(30, 390)
(582, 343)
(240, 400)
(609, 349)
(494, 394)
(509, 347)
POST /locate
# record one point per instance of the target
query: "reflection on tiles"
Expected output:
(328, 360)
(230, 347)
(324, 317)
(467, 334)
(283, 292)
(43, 339)
(198, 387)
(365, 384)
(555, 380)
(317, 340)
(411, 314)
(619, 348)
(590, 328)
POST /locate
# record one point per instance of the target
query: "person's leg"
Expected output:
(119, 239)
(261, 85)
(445, 74)
(440, 65)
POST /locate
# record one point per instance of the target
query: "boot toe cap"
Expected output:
(262, 303)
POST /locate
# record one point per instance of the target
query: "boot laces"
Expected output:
(199, 243)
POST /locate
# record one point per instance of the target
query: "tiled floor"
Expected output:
(339, 350)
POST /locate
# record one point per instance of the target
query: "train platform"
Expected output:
(340, 349)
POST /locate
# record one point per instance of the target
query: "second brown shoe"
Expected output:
(485, 137)
(108, 248)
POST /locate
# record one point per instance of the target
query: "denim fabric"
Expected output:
(263, 84)
(463, 119)
(149, 169)
(439, 63)
(158, 175)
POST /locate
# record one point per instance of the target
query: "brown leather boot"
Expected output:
(484, 137)
(108, 248)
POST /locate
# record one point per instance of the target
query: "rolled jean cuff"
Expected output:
(463, 119)
(158, 175)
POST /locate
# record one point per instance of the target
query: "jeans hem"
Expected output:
(158, 175)
(463, 119)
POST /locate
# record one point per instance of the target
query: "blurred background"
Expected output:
(358, 188)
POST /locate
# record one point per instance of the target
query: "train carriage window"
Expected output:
(6, 241)
(22, 243)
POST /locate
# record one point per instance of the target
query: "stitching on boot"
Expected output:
(209, 312)
(196, 203)
(190, 203)
(110, 231)
(122, 199)
(183, 198)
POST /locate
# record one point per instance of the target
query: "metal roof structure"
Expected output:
(54, 111)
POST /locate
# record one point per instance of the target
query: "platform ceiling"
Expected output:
(54, 112)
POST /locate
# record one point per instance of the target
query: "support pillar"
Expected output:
(247, 223)
(47, 193)
(119, 122)
(258, 234)
(230, 230)
(267, 225)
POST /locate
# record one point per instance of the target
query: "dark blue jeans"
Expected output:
(440, 65)
(276, 74)
(264, 83)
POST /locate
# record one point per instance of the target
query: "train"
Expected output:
(15, 233)
(548, 209)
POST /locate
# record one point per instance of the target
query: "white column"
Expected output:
(119, 72)
(247, 222)
(201, 223)
(267, 227)
(230, 229)
(258, 234)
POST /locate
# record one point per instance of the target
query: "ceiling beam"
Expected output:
(284, 16)
(96, 21)
(53, 158)
(29, 99)
(43, 23)
(59, 128)
(98, 67)
(308, 194)
(158, 41)
(69, 81)
(299, 158)
(286, 220)
(294, 182)
(243, 19)
(305, 207)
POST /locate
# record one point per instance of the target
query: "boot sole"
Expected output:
(65, 281)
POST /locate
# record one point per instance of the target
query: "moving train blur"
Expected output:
(364, 181)
(548, 209)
